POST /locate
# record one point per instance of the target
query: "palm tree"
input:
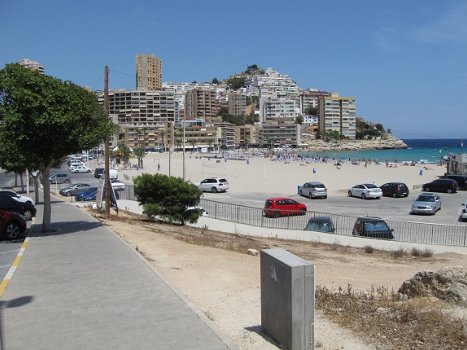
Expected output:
(140, 153)
(161, 135)
(123, 152)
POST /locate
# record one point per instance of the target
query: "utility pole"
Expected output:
(170, 147)
(183, 141)
(107, 183)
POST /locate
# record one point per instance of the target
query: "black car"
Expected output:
(441, 185)
(27, 209)
(460, 179)
(372, 226)
(395, 189)
(98, 173)
(320, 224)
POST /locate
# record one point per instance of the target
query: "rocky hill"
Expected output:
(388, 142)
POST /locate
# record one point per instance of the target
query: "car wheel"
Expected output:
(67, 181)
(302, 211)
(12, 230)
(68, 194)
(27, 215)
(324, 197)
(394, 195)
(276, 214)
(449, 190)
(310, 196)
(363, 196)
(349, 193)
(213, 189)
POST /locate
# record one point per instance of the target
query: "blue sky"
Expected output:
(405, 61)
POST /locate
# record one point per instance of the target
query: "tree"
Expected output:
(123, 152)
(310, 110)
(140, 153)
(215, 81)
(299, 120)
(235, 83)
(43, 119)
(168, 198)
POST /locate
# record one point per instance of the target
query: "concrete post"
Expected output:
(287, 299)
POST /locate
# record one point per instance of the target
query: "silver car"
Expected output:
(214, 184)
(365, 191)
(314, 190)
(426, 203)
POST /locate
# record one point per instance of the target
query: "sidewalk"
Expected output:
(82, 287)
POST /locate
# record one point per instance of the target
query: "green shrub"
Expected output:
(168, 198)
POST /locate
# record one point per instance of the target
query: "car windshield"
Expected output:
(222, 180)
(425, 199)
(372, 226)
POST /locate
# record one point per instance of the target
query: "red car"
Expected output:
(12, 224)
(276, 207)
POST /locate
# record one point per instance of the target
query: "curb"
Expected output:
(14, 265)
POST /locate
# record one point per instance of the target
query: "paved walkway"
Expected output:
(82, 287)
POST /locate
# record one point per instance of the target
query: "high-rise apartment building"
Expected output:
(201, 103)
(148, 73)
(236, 103)
(338, 114)
(34, 65)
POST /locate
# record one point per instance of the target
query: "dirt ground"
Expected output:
(214, 272)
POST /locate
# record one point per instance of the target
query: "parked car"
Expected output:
(463, 216)
(17, 196)
(98, 172)
(75, 163)
(426, 203)
(460, 179)
(12, 224)
(91, 196)
(27, 209)
(372, 226)
(321, 224)
(59, 178)
(441, 185)
(117, 185)
(80, 195)
(275, 207)
(80, 169)
(395, 189)
(313, 190)
(214, 184)
(73, 189)
(365, 191)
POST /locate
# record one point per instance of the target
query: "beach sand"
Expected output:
(264, 175)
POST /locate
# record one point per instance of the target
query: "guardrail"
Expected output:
(404, 231)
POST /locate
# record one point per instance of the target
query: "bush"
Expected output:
(168, 198)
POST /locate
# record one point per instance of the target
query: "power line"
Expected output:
(115, 71)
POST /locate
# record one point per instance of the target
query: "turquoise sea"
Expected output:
(427, 150)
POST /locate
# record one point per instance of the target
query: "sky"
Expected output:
(405, 61)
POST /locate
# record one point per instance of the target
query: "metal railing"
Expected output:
(403, 231)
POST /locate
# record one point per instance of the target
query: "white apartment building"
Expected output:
(30, 64)
(279, 133)
(280, 84)
(273, 108)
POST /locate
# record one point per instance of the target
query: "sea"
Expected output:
(419, 150)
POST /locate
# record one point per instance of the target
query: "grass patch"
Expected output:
(379, 317)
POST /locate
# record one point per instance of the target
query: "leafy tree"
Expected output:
(299, 120)
(235, 83)
(310, 110)
(43, 119)
(122, 152)
(251, 118)
(215, 81)
(168, 198)
(140, 154)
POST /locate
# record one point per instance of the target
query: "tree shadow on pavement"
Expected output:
(63, 228)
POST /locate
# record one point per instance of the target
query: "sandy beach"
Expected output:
(258, 174)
